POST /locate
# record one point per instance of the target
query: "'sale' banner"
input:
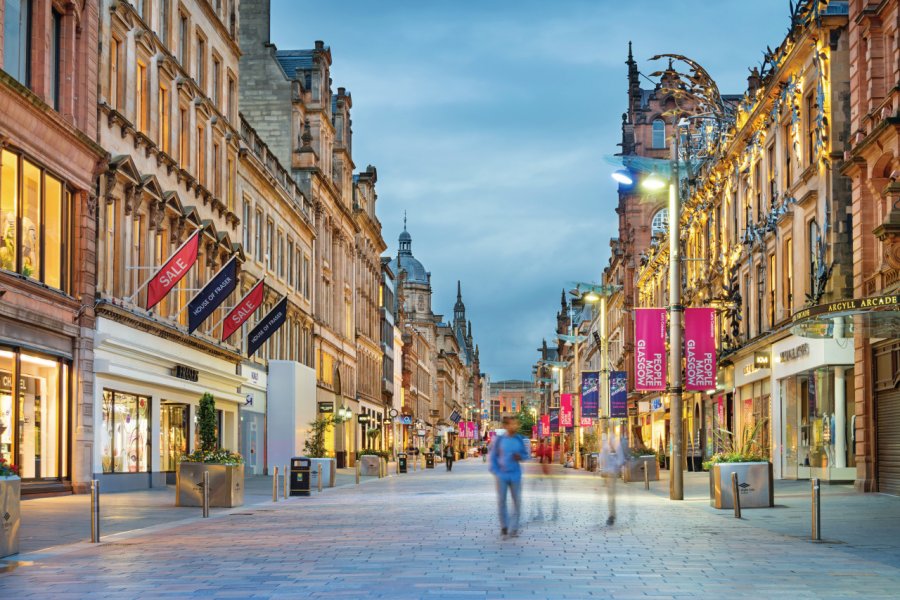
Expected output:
(699, 349)
(173, 270)
(650, 349)
(242, 311)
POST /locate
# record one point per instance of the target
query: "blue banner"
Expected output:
(212, 295)
(618, 395)
(554, 421)
(267, 326)
(590, 394)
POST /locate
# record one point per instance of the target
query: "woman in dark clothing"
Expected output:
(448, 457)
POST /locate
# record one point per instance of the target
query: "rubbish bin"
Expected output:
(401, 462)
(429, 460)
(300, 476)
(341, 456)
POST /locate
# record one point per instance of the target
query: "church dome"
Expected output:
(415, 272)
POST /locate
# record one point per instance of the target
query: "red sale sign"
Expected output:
(699, 349)
(173, 270)
(246, 307)
(649, 349)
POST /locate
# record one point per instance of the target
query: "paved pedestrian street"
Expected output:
(433, 534)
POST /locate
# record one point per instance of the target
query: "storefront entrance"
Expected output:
(174, 433)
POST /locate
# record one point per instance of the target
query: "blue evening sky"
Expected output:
(490, 123)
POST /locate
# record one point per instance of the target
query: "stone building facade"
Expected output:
(49, 166)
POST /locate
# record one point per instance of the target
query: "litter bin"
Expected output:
(341, 456)
(300, 476)
(429, 460)
(401, 462)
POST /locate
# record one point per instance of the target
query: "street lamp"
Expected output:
(652, 182)
(623, 176)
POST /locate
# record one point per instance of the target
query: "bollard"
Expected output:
(285, 479)
(646, 476)
(205, 494)
(319, 478)
(816, 511)
(398, 466)
(735, 491)
(95, 511)
(275, 486)
(357, 472)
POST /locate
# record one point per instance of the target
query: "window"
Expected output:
(230, 109)
(164, 108)
(201, 63)
(757, 188)
(659, 133)
(258, 242)
(201, 155)
(789, 275)
(280, 258)
(229, 184)
(216, 82)
(788, 154)
(183, 27)
(306, 276)
(216, 173)
(660, 223)
(137, 245)
(770, 167)
(772, 288)
(110, 239)
(125, 435)
(745, 293)
(348, 319)
(810, 129)
(16, 40)
(115, 72)
(34, 209)
(290, 262)
(813, 252)
(184, 126)
(142, 98)
(270, 240)
(164, 21)
(160, 255)
(55, 39)
(248, 216)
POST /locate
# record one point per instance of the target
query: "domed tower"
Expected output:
(413, 278)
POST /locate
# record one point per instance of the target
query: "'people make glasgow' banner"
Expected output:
(566, 416)
(649, 349)
(267, 326)
(699, 349)
(212, 295)
(590, 394)
(618, 395)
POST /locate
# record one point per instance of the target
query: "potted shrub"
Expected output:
(315, 449)
(641, 459)
(370, 460)
(225, 468)
(10, 497)
(741, 455)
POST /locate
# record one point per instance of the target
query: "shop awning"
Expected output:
(874, 317)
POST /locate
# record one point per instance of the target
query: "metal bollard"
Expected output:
(736, 492)
(320, 478)
(646, 477)
(357, 472)
(285, 480)
(275, 486)
(816, 511)
(95, 511)
(398, 466)
(205, 494)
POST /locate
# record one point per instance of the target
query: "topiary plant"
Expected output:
(207, 423)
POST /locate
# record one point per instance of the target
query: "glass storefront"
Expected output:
(125, 435)
(174, 421)
(33, 414)
(810, 422)
(755, 417)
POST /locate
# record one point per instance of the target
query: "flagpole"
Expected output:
(149, 279)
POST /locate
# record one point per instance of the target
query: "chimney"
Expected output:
(320, 45)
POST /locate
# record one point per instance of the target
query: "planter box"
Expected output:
(369, 465)
(329, 470)
(754, 479)
(10, 515)
(634, 468)
(226, 485)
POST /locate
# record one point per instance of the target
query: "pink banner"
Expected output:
(462, 429)
(545, 425)
(650, 349)
(566, 416)
(699, 349)
(587, 421)
(470, 430)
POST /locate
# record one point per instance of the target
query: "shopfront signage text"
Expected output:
(185, 372)
(267, 327)
(212, 295)
(761, 360)
(242, 311)
(795, 353)
(842, 306)
(363, 418)
(326, 407)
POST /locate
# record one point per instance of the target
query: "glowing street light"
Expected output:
(623, 177)
(653, 183)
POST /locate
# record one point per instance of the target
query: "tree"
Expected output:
(314, 446)
(207, 423)
(526, 421)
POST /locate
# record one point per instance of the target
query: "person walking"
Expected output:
(448, 457)
(506, 453)
(611, 461)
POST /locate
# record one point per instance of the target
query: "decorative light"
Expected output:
(653, 182)
(623, 177)
(591, 297)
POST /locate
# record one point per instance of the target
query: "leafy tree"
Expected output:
(526, 421)
(208, 423)
(314, 446)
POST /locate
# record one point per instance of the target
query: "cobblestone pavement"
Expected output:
(433, 534)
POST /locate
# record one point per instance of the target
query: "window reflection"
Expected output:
(126, 427)
(9, 203)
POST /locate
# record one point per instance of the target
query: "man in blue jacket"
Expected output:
(506, 452)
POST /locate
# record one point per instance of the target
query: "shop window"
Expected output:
(17, 40)
(125, 433)
(33, 221)
(201, 155)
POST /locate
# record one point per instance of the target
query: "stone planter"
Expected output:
(329, 470)
(10, 515)
(226, 485)
(754, 481)
(369, 465)
(634, 468)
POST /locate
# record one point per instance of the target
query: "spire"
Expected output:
(405, 240)
(634, 86)
(459, 309)
(458, 290)
(563, 303)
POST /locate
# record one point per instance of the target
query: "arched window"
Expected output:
(660, 223)
(659, 133)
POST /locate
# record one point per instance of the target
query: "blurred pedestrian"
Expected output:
(611, 461)
(448, 457)
(506, 453)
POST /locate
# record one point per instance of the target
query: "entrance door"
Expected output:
(173, 433)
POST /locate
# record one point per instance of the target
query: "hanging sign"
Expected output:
(267, 326)
(587, 422)
(590, 394)
(246, 307)
(173, 270)
(554, 420)
(545, 425)
(470, 430)
(618, 395)
(650, 349)
(566, 416)
(699, 349)
(212, 295)
(455, 416)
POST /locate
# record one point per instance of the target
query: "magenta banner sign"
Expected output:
(566, 416)
(699, 349)
(650, 349)
(470, 430)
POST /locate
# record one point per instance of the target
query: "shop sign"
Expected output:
(267, 327)
(405, 419)
(173, 270)
(842, 306)
(212, 295)
(185, 372)
(761, 360)
(326, 407)
(248, 400)
(643, 406)
(795, 353)
(363, 418)
(420, 433)
(656, 404)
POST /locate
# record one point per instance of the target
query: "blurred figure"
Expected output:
(448, 457)
(544, 480)
(484, 453)
(506, 454)
(612, 457)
